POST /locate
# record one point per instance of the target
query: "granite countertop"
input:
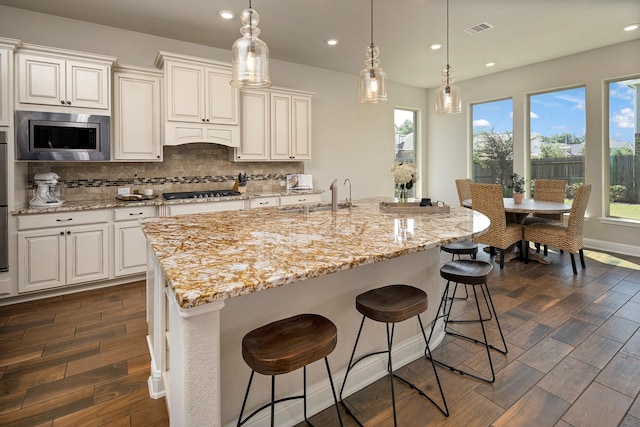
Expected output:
(157, 201)
(214, 256)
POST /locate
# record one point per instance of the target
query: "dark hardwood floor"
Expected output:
(574, 357)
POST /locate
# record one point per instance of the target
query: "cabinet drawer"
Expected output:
(62, 219)
(300, 199)
(192, 208)
(126, 214)
(263, 202)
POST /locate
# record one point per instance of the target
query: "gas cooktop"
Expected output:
(200, 194)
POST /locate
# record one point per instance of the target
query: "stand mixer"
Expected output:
(47, 192)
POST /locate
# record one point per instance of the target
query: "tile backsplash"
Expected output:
(189, 167)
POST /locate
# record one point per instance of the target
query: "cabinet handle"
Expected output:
(64, 220)
(136, 213)
(264, 203)
(302, 200)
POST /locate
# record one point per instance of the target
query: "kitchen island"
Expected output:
(267, 264)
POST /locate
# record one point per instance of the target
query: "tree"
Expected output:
(622, 151)
(405, 128)
(552, 150)
(494, 151)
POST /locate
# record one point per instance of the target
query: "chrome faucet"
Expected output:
(334, 195)
(349, 198)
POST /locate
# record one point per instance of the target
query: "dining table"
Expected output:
(518, 212)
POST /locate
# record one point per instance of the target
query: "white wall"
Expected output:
(449, 136)
(350, 140)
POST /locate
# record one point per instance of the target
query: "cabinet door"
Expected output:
(222, 98)
(41, 80)
(41, 256)
(87, 85)
(185, 93)
(254, 130)
(280, 126)
(87, 252)
(5, 99)
(130, 248)
(137, 124)
(301, 131)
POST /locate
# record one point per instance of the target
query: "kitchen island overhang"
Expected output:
(200, 263)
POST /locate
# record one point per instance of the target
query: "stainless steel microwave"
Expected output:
(59, 136)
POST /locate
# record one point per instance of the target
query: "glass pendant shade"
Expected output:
(250, 55)
(373, 81)
(448, 100)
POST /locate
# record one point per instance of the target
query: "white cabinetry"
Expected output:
(130, 244)
(275, 125)
(203, 207)
(62, 249)
(263, 202)
(137, 126)
(201, 106)
(7, 47)
(300, 199)
(61, 78)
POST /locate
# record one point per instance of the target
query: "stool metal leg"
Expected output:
(485, 343)
(273, 400)
(333, 390)
(390, 368)
(244, 402)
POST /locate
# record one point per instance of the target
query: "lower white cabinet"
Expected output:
(62, 256)
(192, 208)
(300, 199)
(129, 242)
(51, 257)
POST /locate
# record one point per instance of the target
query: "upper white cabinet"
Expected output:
(201, 105)
(64, 79)
(275, 125)
(7, 47)
(137, 124)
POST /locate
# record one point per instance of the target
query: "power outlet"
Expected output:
(283, 183)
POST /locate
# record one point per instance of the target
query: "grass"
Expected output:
(624, 210)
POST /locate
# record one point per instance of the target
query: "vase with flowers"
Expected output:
(404, 176)
(517, 184)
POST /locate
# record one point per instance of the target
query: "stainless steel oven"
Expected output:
(4, 226)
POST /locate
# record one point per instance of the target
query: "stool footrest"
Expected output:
(455, 334)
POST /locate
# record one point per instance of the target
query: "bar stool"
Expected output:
(463, 247)
(392, 304)
(284, 346)
(469, 273)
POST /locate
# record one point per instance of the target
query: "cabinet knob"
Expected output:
(207, 120)
(203, 120)
(62, 233)
(68, 232)
(68, 102)
(62, 101)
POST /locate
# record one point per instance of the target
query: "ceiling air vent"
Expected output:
(478, 28)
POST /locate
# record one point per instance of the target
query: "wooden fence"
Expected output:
(623, 170)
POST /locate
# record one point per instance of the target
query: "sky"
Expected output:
(561, 112)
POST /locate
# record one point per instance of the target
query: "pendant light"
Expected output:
(373, 81)
(448, 96)
(250, 55)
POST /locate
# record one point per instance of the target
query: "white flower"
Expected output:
(404, 173)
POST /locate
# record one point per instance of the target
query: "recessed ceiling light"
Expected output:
(489, 64)
(331, 42)
(435, 46)
(226, 14)
(631, 27)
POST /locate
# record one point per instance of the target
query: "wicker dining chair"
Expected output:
(464, 247)
(568, 238)
(548, 190)
(487, 199)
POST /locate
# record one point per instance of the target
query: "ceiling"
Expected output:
(524, 31)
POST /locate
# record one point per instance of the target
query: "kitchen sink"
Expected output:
(314, 208)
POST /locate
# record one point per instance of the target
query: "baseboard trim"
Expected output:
(607, 246)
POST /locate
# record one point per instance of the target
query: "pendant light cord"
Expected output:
(371, 45)
(447, 43)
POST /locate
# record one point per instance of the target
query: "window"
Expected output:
(557, 123)
(624, 149)
(405, 140)
(492, 141)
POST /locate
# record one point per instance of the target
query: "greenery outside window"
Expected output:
(405, 142)
(493, 142)
(624, 149)
(557, 123)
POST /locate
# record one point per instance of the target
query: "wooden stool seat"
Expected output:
(289, 344)
(464, 247)
(392, 304)
(467, 271)
(284, 346)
